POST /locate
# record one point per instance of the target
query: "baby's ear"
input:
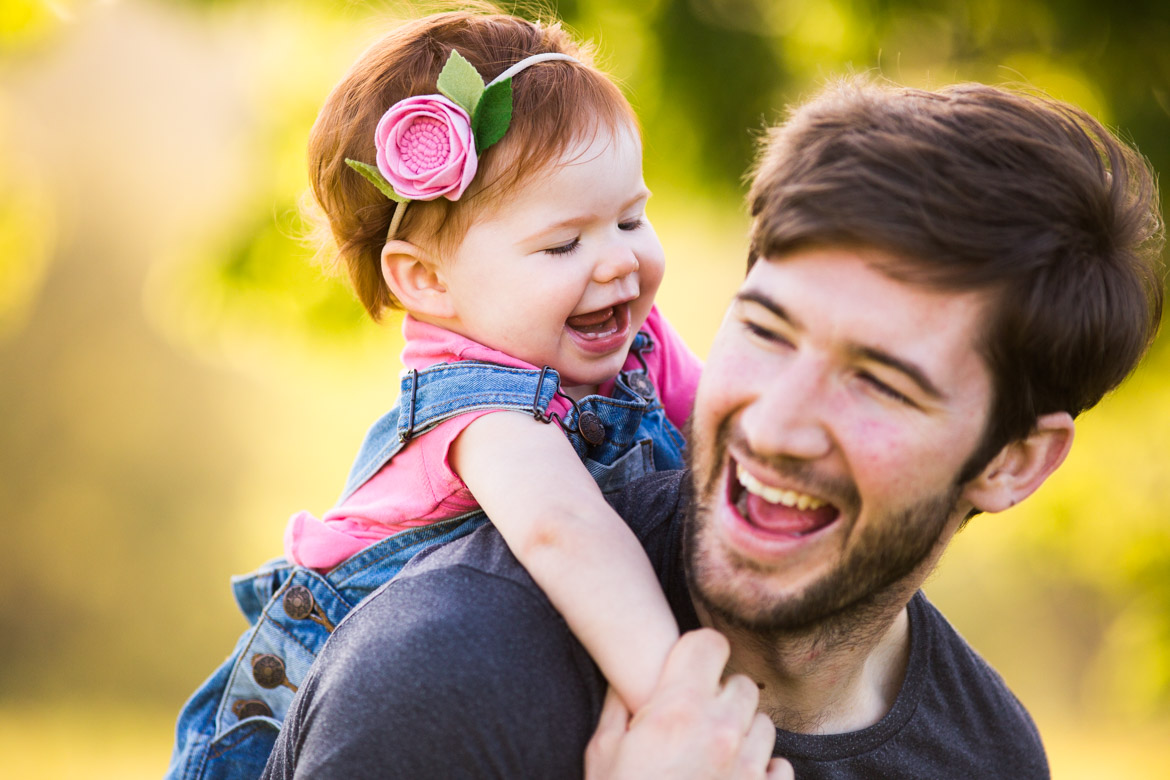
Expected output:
(414, 278)
(1022, 465)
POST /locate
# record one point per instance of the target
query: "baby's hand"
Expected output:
(694, 725)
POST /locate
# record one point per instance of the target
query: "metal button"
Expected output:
(641, 385)
(268, 671)
(298, 602)
(591, 428)
(251, 708)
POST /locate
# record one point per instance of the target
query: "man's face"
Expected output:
(835, 411)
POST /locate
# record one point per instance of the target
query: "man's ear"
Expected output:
(1022, 465)
(415, 279)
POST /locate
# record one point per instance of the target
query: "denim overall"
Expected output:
(229, 725)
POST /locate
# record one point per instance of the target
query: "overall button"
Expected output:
(591, 427)
(268, 672)
(251, 708)
(641, 385)
(299, 604)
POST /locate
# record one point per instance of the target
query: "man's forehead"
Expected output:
(874, 296)
(908, 275)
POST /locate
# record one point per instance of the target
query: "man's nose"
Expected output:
(789, 415)
(616, 261)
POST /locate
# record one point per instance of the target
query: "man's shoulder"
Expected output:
(652, 505)
(457, 663)
(953, 717)
(428, 588)
(452, 603)
(969, 704)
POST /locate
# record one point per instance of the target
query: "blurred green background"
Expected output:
(177, 376)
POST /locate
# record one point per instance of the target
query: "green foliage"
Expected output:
(460, 81)
(263, 282)
(492, 115)
(374, 176)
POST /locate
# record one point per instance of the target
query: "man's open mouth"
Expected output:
(602, 330)
(777, 510)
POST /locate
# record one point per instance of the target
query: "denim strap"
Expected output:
(445, 390)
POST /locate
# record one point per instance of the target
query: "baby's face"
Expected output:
(565, 273)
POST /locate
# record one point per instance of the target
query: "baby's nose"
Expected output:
(619, 261)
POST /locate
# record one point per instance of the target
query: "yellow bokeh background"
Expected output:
(178, 376)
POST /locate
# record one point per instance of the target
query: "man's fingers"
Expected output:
(614, 720)
(614, 715)
(694, 726)
(741, 696)
(757, 746)
(780, 769)
(601, 751)
(696, 661)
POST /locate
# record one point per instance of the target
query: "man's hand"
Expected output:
(694, 725)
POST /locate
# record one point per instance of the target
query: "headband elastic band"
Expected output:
(532, 60)
(467, 118)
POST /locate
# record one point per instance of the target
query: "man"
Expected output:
(938, 284)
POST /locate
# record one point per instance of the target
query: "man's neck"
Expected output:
(827, 680)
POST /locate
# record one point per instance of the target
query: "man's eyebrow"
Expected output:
(751, 296)
(905, 367)
(912, 372)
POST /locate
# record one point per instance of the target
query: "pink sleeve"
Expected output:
(416, 488)
(672, 367)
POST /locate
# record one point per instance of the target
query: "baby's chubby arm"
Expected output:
(530, 482)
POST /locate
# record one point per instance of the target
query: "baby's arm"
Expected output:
(541, 498)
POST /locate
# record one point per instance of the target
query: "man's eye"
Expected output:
(766, 334)
(886, 390)
(631, 224)
(564, 249)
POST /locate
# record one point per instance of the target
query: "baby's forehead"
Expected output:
(524, 174)
(519, 161)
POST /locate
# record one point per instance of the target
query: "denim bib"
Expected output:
(229, 725)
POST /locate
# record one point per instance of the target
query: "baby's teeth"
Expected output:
(775, 495)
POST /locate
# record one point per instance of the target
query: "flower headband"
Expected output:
(429, 145)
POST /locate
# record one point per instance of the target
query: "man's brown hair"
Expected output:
(554, 105)
(982, 188)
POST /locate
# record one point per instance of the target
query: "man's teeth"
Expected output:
(775, 495)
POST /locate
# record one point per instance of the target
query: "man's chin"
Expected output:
(882, 568)
(740, 591)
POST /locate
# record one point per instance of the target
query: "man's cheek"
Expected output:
(884, 458)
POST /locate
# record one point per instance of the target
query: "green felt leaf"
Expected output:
(492, 115)
(374, 176)
(461, 82)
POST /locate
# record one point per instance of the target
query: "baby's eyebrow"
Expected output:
(580, 219)
(545, 230)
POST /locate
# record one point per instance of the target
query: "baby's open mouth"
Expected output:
(602, 323)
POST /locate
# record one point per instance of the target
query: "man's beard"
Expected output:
(842, 601)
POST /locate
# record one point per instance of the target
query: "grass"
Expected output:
(96, 741)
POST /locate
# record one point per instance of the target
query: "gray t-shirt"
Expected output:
(460, 667)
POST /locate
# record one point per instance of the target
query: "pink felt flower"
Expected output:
(425, 148)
